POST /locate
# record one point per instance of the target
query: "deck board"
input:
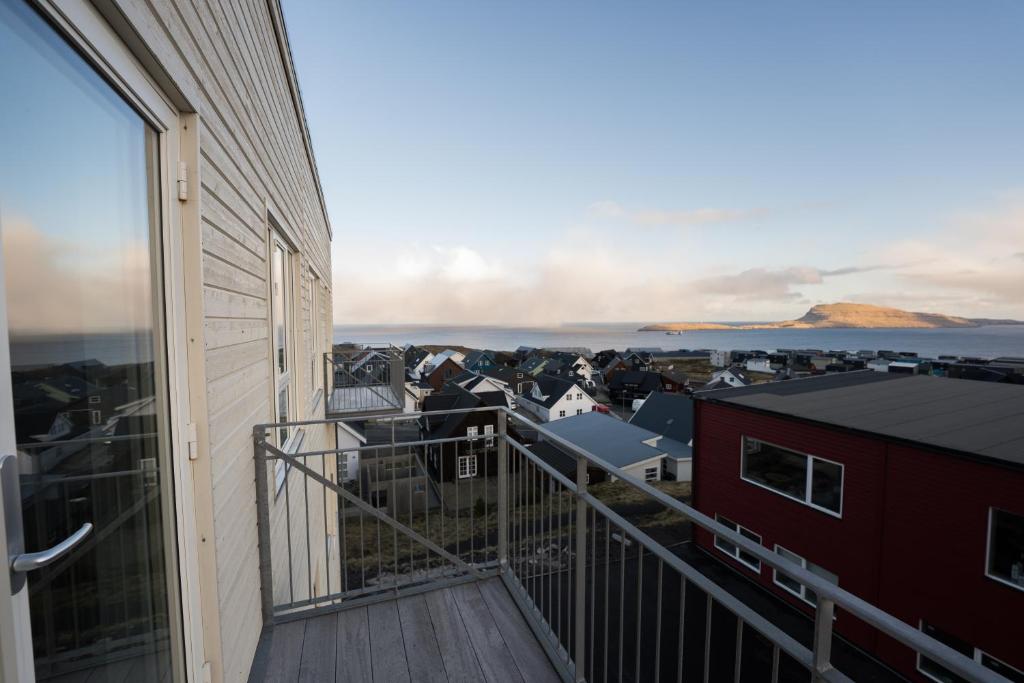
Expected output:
(462, 634)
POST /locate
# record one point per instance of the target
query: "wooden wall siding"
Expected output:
(224, 56)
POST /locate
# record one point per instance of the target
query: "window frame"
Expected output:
(806, 564)
(488, 436)
(470, 462)
(648, 470)
(725, 521)
(988, 548)
(283, 381)
(808, 476)
(976, 653)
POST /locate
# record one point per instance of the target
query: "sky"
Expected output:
(547, 162)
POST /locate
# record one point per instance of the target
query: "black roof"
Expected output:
(670, 415)
(554, 456)
(510, 376)
(552, 387)
(645, 381)
(983, 419)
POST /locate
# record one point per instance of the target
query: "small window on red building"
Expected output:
(1006, 547)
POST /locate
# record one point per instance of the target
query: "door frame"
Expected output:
(92, 36)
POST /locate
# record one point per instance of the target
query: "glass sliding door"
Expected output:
(79, 220)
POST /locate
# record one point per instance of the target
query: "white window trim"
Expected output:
(488, 435)
(977, 657)
(988, 551)
(654, 469)
(803, 588)
(753, 567)
(809, 474)
(471, 466)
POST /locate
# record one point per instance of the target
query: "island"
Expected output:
(841, 315)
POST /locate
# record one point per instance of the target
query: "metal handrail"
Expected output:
(830, 596)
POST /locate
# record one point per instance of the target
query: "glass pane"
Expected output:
(785, 580)
(777, 468)
(826, 484)
(1006, 547)
(1004, 670)
(282, 416)
(936, 670)
(78, 212)
(280, 268)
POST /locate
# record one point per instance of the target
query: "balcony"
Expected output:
(363, 379)
(530, 573)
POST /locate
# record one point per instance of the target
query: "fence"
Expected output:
(360, 378)
(605, 599)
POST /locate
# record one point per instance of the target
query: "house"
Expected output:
(673, 381)
(635, 451)
(477, 361)
(633, 384)
(553, 398)
(577, 363)
(481, 384)
(448, 354)
(534, 365)
(614, 365)
(733, 377)
(564, 462)
(455, 461)
(879, 364)
(914, 480)
(439, 373)
(416, 358)
(639, 361)
(182, 127)
(720, 358)
(670, 415)
(515, 379)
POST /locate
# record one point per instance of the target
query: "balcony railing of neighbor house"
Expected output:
(605, 599)
(362, 378)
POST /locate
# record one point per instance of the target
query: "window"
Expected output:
(734, 552)
(937, 672)
(379, 498)
(447, 373)
(651, 473)
(1005, 548)
(568, 397)
(418, 487)
(806, 478)
(97, 416)
(579, 396)
(795, 587)
(95, 399)
(473, 433)
(316, 334)
(489, 435)
(579, 411)
(467, 466)
(280, 284)
(561, 413)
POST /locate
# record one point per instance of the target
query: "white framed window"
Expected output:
(1004, 560)
(473, 433)
(733, 551)
(561, 413)
(793, 586)
(651, 473)
(936, 672)
(467, 466)
(316, 334)
(282, 344)
(579, 411)
(97, 416)
(568, 397)
(808, 479)
(95, 399)
(488, 435)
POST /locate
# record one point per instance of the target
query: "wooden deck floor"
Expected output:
(471, 632)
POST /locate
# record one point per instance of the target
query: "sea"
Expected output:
(985, 342)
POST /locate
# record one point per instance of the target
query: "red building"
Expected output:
(906, 490)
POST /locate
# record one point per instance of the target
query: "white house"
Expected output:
(553, 398)
(762, 364)
(734, 377)
(720, 359)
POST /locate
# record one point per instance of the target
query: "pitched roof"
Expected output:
(981, 419)
(670, 415)
(553, 388)
(616, 442)
(645, 381)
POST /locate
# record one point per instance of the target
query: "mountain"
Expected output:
(844, 315)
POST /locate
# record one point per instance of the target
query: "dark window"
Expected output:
(806, 478)
(1006, 547)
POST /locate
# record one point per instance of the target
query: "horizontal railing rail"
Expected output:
(364, 377)
(606, 599)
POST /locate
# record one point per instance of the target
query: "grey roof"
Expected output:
(616, 442)
(984, 419)
(670, 415)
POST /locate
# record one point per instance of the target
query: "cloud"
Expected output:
(57, 285)
(683, 219)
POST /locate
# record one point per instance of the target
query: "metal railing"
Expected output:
(361, 378)
(604, 598)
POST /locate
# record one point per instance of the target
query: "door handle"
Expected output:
(26, 562)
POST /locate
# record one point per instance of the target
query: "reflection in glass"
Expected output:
(77, 217)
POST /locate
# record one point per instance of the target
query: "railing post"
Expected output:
(579, 656)
(822, 652)
(263, 526)
(503, 512)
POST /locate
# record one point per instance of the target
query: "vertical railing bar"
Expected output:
(288, 530)
(607, 577)
(487, 510)
(440, 489)
(822, 647)
(593, 588)
(682, 627)
(737, 664)
(393, 503)
(263, 529)
(657, 628)
(503, 492)
(472, 505)
(344, 532)
(579, 594)
(639, 603)
(410, 471)
(707, 639)
(775, 663)
(380, 545)
(622, 595)
(309, 553)
(458, 507)
(554, 585)
(362, 535)
(327, 545)
(426, 505)
(532, 533)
